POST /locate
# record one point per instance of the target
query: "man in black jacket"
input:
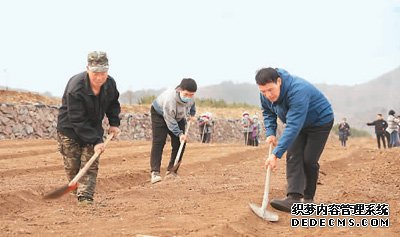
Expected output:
(88, 96)
(380, 129)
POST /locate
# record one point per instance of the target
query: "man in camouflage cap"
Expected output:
(97, 61)
(88, 96)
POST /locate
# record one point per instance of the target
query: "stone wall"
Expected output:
(40, 121)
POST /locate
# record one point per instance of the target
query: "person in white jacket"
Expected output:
(392, 129)
(169, 114)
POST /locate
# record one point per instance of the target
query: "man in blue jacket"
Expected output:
(308, 116)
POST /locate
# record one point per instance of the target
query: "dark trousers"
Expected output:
(302, 158)
(380, 137)
(387, 135)
(255, 140)
(205, 135)
(160, 132)
(248, 140)
(206, 138)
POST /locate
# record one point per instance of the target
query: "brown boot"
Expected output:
(285, 204)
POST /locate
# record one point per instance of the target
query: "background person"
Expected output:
(256, 129)
(393, 127)
(247, 129)
(205, 123)
(380, 130)
(344, 132)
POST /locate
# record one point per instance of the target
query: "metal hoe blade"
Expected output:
(264, 213)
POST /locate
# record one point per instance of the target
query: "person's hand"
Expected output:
(99, 148)
(114, 130)
(191, 119)
(272, 139)
(182, 137)
(272, 162)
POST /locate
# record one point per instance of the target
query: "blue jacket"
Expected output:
(300, 105)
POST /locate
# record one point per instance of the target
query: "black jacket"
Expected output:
(380, 126)
(81, 113)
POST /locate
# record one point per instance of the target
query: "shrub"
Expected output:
(220, 103)
(146, 100)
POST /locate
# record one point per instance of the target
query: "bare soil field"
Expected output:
(210, 198)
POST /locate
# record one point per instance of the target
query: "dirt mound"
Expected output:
(20, 97)
(210, 197)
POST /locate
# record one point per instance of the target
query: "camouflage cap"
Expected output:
(98, 61)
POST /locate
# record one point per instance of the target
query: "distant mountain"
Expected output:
(228, 91)
(359, 103)
(133, 97)
(231, 92)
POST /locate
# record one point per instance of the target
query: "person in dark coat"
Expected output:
(344, 132)
(380, 130)
(88, 97)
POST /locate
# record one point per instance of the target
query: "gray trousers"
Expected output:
(302, 158)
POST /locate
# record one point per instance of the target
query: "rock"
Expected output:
(23, 111)
(28, 129)
(17, 129)
(40, 121)
(6, 109)
(4, 120)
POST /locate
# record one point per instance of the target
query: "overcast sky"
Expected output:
(153, 44)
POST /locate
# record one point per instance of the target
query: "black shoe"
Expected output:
(85, 200)
(285, 204)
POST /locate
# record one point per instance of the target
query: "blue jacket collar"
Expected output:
(286, 79)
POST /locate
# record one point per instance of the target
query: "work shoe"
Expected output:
(170, 175)
(155, 177)
(82, 200)
(285, 204)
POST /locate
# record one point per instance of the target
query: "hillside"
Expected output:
(360, 103)
(24, 97)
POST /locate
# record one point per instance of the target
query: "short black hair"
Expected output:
(266, 75)
(391, 112)
(188, 84)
